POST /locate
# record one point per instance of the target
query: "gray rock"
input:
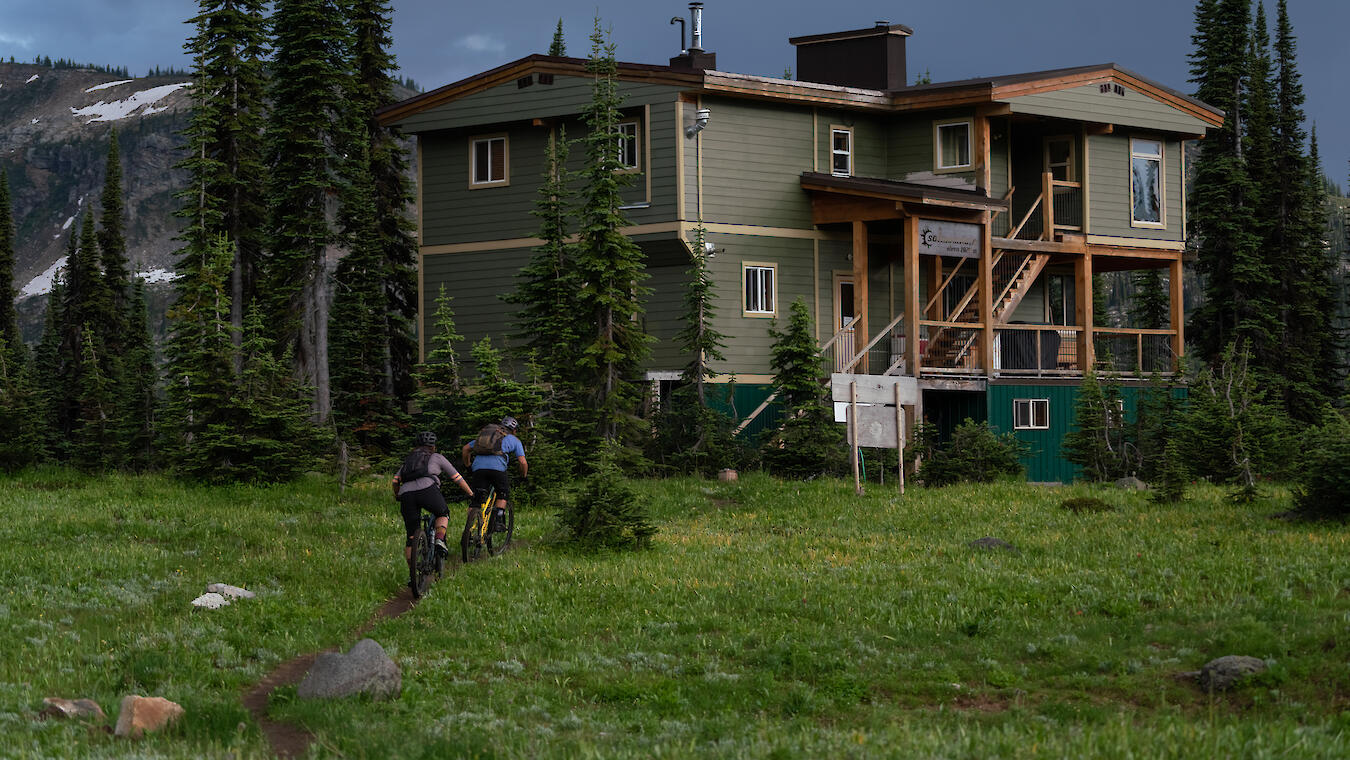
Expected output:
(230, 592)
(211, 601)
(1222, 674)
(366, 669)
(1132, 483)
(56, 707)
(989, 542)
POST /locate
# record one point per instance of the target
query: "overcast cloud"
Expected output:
(438, 42)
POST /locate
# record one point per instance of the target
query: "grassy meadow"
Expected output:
(770, 619)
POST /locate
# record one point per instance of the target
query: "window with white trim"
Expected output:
(489, 160)
(1031, 414)
(952, 139)
(1146, 209)
(841, 152)
(628, 144)
(760, 285)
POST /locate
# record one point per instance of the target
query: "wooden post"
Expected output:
(899, 440)
(1048, 206)
(853, 433)
(1082, 270)
(860, 288)
(986, 298)
(935, 282)
(913, 302)
(1178, 310)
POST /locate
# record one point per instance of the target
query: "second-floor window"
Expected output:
(953, 145)
(628, 144)
(841, 152)
(489, 160)
(1059, 158)
(1146, 183)
(759, 289)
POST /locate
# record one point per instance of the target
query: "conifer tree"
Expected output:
(24, 439)
(9, 323)
(224, 144)
(138, 392)
(440, 392)
(558, 46)
(387, 165)
(1150, 309)
(808, 443)
(699, 338)
(1097, 441)
(48, 370)
(608, 263)
(94, 443)
(112, 245)
(496, 394)
(366, 415)
(308, 129)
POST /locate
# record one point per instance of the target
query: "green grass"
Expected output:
(769, 619)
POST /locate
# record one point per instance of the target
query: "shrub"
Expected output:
(1324, 486)
(1170, 487)
(605, 513)
(974, 454)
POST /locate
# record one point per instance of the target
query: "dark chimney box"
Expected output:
(871, 58)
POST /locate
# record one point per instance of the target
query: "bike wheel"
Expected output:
(498, 540)
(418, 580)
(471, 542)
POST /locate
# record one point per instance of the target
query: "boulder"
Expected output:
(1132, 483)
(79, 709)
(366, 669)
(230, 592)
(989, 542)
(727, 475)
(1224, 673)
(210, 601)
(141, 715)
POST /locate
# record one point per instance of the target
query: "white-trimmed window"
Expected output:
(1031, 414)
(1146, 185)
(629, 142)
(760, 289)
(841, 151)
(952, 141)
(488, 161)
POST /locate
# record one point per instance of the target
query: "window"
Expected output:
(759, 289)
(1031, 414)
(1146, 183)
(628, 145)
(953, 145)
(841, 152)
(488, 155)
(1059, 158)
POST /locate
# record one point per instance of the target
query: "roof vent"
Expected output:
(693, 57)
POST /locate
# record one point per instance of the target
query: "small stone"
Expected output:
(989, 542)
(230, 592)
(211, 601)
(141, 715)
(55, 707)
(365, 669)
(1224, 673)
(1132, 483)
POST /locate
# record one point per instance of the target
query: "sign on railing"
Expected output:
(950, 238)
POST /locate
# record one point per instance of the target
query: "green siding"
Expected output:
(1109, 187)
(753, 158)
(1044, 463)
(454, 213)
(1032, 307)
(664, 316)
(476, 282)
(870, 142)
(747, 338)
(999, 179)
(1088, 103)
(740, 399)
(507, 102)
(910, 151)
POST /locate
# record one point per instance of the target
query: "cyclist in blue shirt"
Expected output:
(487, 457)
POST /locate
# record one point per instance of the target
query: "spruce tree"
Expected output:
(558, 46)
(48, 372)
(9, 322)
(386, 162)
(808, 443)
(224, 144)
(112, 245)
(440, 392)
(496, 394)
(24, 440)
(94, 443)
(308, 130)
(609, 264)
(1150, 309)
(138, 391)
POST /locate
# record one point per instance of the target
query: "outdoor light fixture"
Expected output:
(700, 121)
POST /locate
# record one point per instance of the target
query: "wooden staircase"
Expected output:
(1013, 275)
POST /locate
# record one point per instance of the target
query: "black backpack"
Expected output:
(415, 465)
(489, 441)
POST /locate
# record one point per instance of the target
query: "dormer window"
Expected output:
(952, 141)
(841, 151)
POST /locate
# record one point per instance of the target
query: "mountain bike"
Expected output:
(481, 531)
(426, 561)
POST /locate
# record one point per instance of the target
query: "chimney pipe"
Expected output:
(696, 37)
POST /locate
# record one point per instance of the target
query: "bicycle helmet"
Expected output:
(426, 438)
(510, 423)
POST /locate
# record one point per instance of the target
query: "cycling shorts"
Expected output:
(481, 479)
(412, 503)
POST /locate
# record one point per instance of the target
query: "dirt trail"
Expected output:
(291, 741)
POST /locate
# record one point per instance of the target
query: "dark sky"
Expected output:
(441, 41)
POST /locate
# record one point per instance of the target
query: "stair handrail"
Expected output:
(1018, 230)
(854, 361)
(765, 405)
(944, 285)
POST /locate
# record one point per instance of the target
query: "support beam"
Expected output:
(1082, 271)
(1047, 206)
(913, 302)
(860, 282)
(935, 282)
(986, 299)
(1178, 308)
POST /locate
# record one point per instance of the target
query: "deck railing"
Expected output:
(1037, 350)
(1133, 351)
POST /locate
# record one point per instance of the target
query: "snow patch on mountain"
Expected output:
(35, 76)
(106, 85)
(43, 283)
(120, 109)
(154, 276)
